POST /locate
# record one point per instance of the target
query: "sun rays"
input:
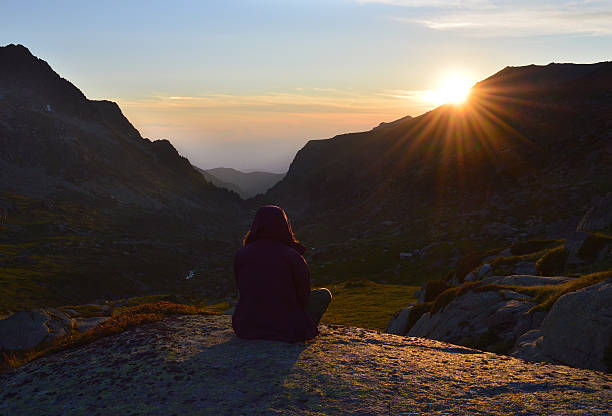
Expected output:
(455, 89)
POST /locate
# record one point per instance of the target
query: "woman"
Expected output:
(274, 283)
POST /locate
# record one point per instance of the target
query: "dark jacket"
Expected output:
(273, 282)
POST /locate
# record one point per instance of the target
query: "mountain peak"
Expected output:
(30, 81)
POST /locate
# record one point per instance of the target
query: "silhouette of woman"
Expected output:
(273, 280)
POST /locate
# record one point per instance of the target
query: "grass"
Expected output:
(552, 262)
(533, 246)
(127, 319)
(366, 304)
(544, 297)
(86, 311)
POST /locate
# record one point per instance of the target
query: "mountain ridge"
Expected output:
(90, 208)
(245, 184)
(501, 158)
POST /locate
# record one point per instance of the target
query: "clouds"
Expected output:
(506, 18)
(264, 130)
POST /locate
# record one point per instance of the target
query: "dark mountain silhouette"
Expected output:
(219, 183)
(245, 184)
(88, 146)
(100, 210)
(526, 156)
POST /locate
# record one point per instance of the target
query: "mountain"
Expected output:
(89, 207)
(525, 157)
(247, 185)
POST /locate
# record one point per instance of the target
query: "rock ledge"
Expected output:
(195, 365)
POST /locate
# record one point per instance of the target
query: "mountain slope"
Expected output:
(46, 122)
(89, 207)
(219, 183)
(525, 157)
(247, 185)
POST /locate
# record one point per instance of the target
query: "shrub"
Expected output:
(592, 245)
(532, 246)
(416, 312)
(552, 262)
(433, 288)
(546, 296)
(444, 299)
(469, 262)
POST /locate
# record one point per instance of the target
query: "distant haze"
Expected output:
(246, 84)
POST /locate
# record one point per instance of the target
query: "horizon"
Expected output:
(246, 84)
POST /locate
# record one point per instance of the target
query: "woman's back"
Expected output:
(274, 284)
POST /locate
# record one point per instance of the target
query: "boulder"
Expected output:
(525, 267)
(578, 328)
(598, 218)
(470, 277)
(529, 346)
(573, 242)
(487, 319)
(483, 270)
(26, 329)
(399, 322)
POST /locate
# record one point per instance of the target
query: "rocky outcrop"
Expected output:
(488, 320)
(195, 365)
(578, 329)
(27, 329)
(599, 217)
(399, 324)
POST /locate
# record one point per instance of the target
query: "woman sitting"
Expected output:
(275, 300)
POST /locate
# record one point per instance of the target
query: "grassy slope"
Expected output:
(56, 253)
(367, 304)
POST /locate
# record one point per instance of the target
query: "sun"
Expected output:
(455, 89)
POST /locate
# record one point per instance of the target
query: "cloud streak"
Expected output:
(505, 18)
(314, 100)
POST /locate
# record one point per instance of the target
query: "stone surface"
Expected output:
(26, 329)
(483, 270)
(398, 324)
(529, 346)
(85, 324)
(470, 316)
(578, 328)
(599, 217)
(195, 365)
(525, 267)
(526, 280)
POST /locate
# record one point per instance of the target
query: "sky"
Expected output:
(245, 84)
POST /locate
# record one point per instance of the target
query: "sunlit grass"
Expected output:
(367, 304)
(129, 318)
